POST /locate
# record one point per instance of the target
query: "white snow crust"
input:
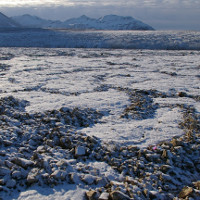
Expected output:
(54, 78)
(99, 78)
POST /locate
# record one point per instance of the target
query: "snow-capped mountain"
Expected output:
(6, 22)
(109, 22)
(30, 21)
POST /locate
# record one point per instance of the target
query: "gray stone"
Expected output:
(22, 162)
(8, 164)
(11, 183)
(33, 176)
(89, 179)
(118, 195)
(4, 171)
(73, 178)
(59, 174)
(80, 151)
(17, 175)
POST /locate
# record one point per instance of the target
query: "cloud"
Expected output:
(161, 14)
(143, 3)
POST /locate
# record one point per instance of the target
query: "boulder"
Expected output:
(118, 195)
(80, 151)
(186, 191)
(92, 195)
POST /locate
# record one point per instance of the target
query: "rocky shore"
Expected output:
(45, 149)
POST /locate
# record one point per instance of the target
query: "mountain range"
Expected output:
(6, 22)
(108, 22)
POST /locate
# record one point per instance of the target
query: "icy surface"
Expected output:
(99, 79)
(165, 40)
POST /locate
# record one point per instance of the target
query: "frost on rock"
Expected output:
(80, 151)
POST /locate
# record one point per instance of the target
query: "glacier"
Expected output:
(62, 38)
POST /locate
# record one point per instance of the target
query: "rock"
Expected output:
(2, 182)
(165, 168)
(104, 196)
(65, 143)
(17, 175)
(102, 181)
(176, 142)
(80, 151)
(59, 175)
(118, 195)
(146, 192)
(189, 164)
(164, 153)
(41, 149)
(62, 163)
(182, 94)
(154, 195)
(22, 162)
(197, 185)
(186, 191)
(178, 150)
(8, 164)
(89, 179)
(11, 183)
(7, 143)
(4, 171)
(2, 153)
(92, 195)
(73, 178)
(33, 176)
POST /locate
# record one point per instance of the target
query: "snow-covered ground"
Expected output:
(140, 94)
(54, 78)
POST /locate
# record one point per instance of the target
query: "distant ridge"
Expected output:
(6, 22)
(108, 22)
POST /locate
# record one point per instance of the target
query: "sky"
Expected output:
(161, 14)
